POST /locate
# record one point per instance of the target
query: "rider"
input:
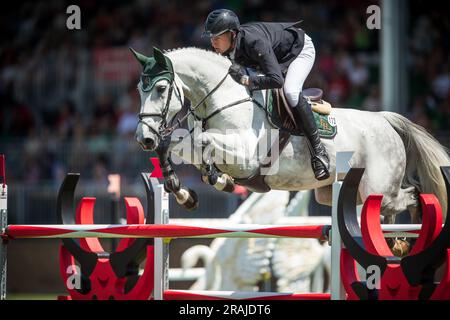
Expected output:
(276, 49)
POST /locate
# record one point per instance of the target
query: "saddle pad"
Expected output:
(325, 123)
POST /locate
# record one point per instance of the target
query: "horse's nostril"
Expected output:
(149, 142)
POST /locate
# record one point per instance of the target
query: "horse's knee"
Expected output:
(324, 195)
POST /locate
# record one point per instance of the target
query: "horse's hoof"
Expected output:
(401, 248)
(228, 185)
(191, 202)
(172, 185)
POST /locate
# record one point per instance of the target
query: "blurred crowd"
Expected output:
(58, 114)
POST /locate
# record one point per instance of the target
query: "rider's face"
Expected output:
(222, 42)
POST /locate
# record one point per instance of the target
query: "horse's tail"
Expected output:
(424, 157)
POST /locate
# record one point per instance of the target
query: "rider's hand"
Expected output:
(237, 72)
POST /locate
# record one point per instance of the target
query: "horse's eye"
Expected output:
(160, 89)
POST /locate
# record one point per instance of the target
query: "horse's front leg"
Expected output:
(184, 196)
(210, 174)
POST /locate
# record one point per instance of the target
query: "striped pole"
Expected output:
(60, 231)
(164, 231)
(389, 230)
(241, 295)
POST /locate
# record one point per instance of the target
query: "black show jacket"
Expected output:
(268, 47)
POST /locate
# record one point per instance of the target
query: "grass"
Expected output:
(29, 296)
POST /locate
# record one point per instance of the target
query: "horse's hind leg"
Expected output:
(395, 198)
(397, 202)
(415, 211)
(384, 175)
(404, 199)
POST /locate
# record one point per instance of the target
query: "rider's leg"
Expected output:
(296, 75)
(320, 161)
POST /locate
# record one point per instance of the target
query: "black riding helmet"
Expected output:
(220, 21)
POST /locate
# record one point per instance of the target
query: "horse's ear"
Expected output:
(143, 60)
(162, 59)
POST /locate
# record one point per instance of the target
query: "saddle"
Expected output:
(280, 114)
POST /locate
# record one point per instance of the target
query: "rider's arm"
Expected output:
(272, 77)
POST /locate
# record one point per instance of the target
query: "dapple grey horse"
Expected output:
(400, 157)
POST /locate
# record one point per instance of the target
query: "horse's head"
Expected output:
(161, 98)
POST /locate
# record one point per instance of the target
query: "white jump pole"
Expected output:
(161, 271)
(342, 167)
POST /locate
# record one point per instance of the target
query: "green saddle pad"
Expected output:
(325, 123)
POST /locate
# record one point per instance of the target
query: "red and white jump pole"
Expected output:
(164, 231)
(241, 295)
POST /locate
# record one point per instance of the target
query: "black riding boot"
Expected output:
(304, 117)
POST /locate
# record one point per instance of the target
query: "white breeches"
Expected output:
(298, 71)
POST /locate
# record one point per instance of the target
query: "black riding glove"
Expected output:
(237, 71)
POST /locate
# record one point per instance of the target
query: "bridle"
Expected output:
(163, 115)
(164, 131)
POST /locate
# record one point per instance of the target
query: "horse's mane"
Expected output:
(205, 55)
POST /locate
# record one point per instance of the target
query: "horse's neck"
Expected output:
(199, 76)
(233, 131)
